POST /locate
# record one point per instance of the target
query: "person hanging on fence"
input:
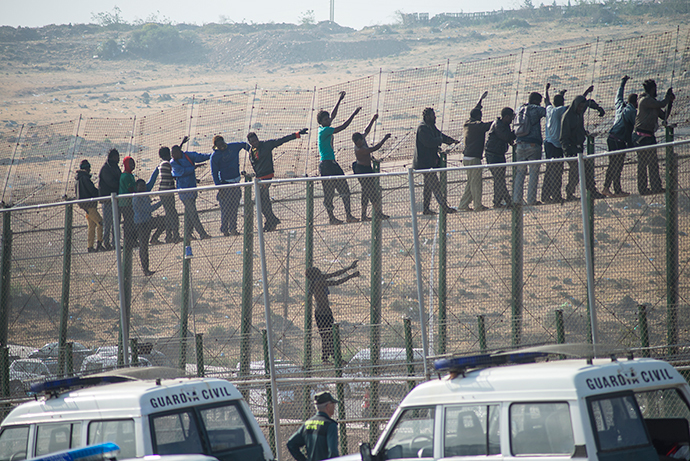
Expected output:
(167, 182)
(84, 188)
(319, 434)
(620, 137)
(474, 132)
(649, 111)
(145, 223)
(553, 177)
(184, 165)
(328, 166)
(371, 189)
(573, 138)
(499, 138)
(225, 169)
(318, 287)
(109, 182)
(528, 147)
(428, 141)
(261, 158)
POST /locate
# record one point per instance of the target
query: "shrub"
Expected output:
(162, 42)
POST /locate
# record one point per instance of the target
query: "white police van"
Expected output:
(601, 409)
(143, 417)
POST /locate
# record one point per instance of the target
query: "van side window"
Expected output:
(119, 432)
(465, 431)
(57, 437)
(667, 416)
(14, 442)
(175, 434)
(226, 428)
(413, 435)
(541, 429)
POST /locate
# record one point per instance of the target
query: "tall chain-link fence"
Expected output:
(348, 307)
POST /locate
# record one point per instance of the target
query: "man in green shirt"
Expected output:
(319, 434)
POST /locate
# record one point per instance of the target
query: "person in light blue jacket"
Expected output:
(184, 165)
(145, 223)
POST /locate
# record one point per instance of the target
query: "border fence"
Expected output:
(240, 307)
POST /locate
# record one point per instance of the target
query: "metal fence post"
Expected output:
(516, 274)
(587, 226)
(307, 406)
(644, 331)
(560, 327)
(64, 298)
(69, 363)
(442, 264)
(672, 248)
(247, 283)
(375, 318)
(269, 393)
(123, 339)
(339, 387)
(5, 282)
(134, 346)
(185, 292)
(200, 369)
(482, 333)
(418, 269)
(409, 351)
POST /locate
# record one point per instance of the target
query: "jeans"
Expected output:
(191, 218)
(331, 168)
(553, 177)
(108, 231)
(647, 160)
(172, 220)
(143, 233)
(615, 168)
(473, 188)
(501, 193)
(229, 200)
(433, 186)
(524, 152)
(271, 219)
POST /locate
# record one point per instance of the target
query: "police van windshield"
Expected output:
(617, 422)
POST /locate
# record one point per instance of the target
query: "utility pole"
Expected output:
(332, 10)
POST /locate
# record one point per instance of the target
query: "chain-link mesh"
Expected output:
(489, 280)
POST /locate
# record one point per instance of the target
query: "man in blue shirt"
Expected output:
(319, 434)
(225, 167)
(328, 165)
(184, 166)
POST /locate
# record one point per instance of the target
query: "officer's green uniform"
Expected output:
(318, 434)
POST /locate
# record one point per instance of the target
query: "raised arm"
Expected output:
(341, 271)
(620, 96)
(588, 90)
(363, 153)
(371, 125)
(481, 98)
(334, 112)
(332, 283)
(547, 99)
(347, 122)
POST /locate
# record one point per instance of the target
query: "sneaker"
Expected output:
(334, 221)
(204, 236)
(99, 246)
(270, 227)
(607, 192)
(107, 247)
(596, 194)
(659, 191)
(91, 250)
(384, 216)
(645, 192)
(621, 194)
(174, 240)
(481, 208)
(428, 212)
(365, 218)
(149, 273)
(450, 210)
(351, 219)
(465, 209)
(571, 198)
(155, 242)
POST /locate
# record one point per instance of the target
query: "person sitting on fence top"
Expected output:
(646, 123)
(573, 137)
(225, 169)
(318, 287)
(528, 147)
(328, 165)
(620, 137)
(84, 188)
(184, 165)
(145, 223)
(319, 434)
(474, 132)
(109, 182)
(167, 182)
(499, 138)
(553, 177)
(261, 158)
(371, 190)
(428, 141)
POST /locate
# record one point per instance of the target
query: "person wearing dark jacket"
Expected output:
(474, 131)
(167, 182)
(319, 434)
(84, 188)
(145, 222)
(528, 147)
(109, 182)
(427, 143)
(573, 138)
(646, 123)
(620, 137)
(184, 165)
(261, 157)
(499, 138)
(225, 168)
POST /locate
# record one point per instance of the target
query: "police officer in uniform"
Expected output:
(319, 434)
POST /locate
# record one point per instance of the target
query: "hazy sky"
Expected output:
(353, 13)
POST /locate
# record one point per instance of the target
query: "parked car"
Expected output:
(49, 355)
(289, 395)
(145, 350)
(24, 371)
(98, 363)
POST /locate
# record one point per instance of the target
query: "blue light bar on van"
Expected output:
(69, 383)
(102, 452)
(459, 364)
